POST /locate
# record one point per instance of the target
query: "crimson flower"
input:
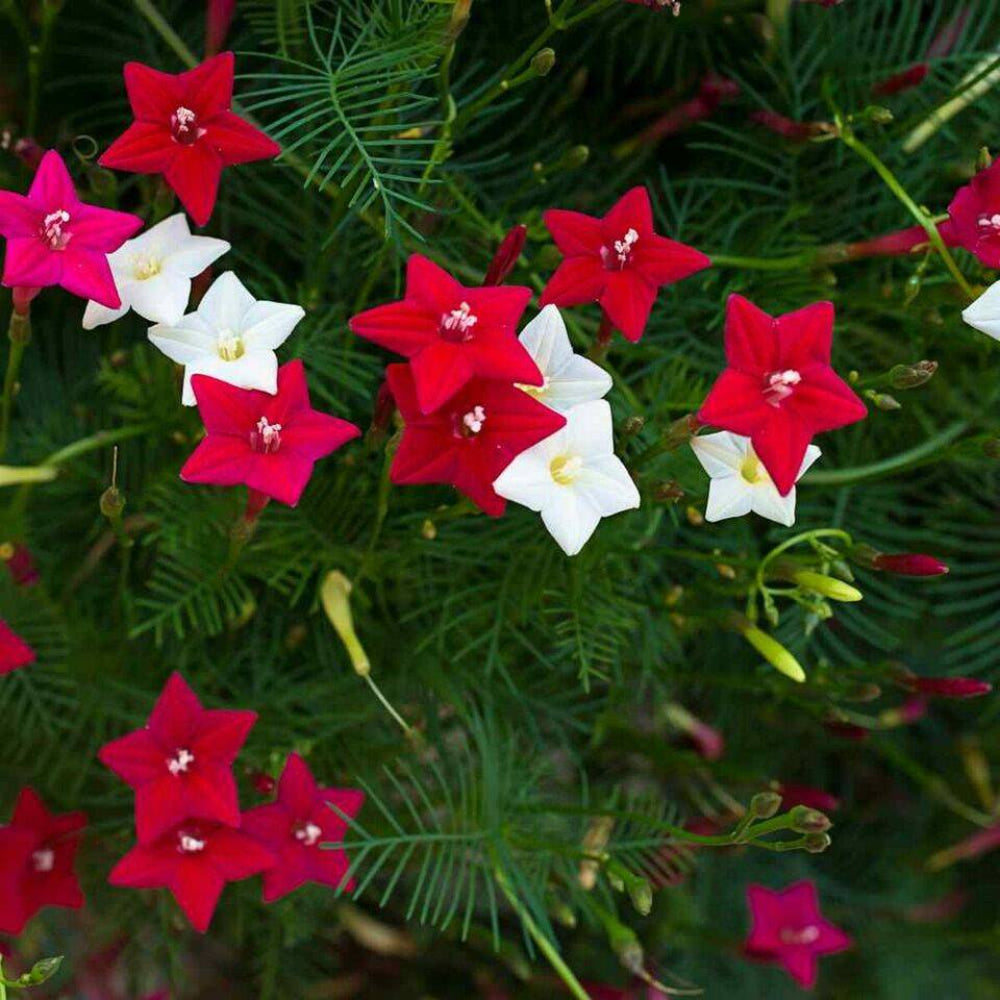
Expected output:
(194, 860)
(14, 651)
(185, 130)
(469, 441)
(788, 928)
(53, 238)
(779, 389)
(37, 858)
(180, 762)
(451, 333)
(974, 217)
(270, 443)
(296, 827)
(617, 261)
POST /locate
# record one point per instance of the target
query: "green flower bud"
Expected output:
(806, 820)
(817, 843)
(828, 586)
(764, 805)
(774, 653)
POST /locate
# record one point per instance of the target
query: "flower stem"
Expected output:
(791, 263)
(564, 972)
(19, 332)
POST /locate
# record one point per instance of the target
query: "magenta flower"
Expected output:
(53, 238)
(787, 928)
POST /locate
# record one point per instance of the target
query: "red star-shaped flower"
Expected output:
(470, 440)
(974, 217)
(194, 860)
(14, 651)
(788, 928)
(53, 238)
(37, 858)
(617, 261)
(451, 333)
(180, 762)
(270, 443)
(297, 825)
(779, 389)
(185, 130)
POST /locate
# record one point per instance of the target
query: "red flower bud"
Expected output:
(847, 731)
(948, 687)
(506, 256)
(789, 128)
(898, 82)
(20, 564)
(218, 18)
(21, 297)
(806, 795)
(909, 564)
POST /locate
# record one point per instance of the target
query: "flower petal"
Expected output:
(86, 273)
(574, 233)
(225, 303)
(577, 280)
(628, 300)
(143, 148)
(208, 88)
(728, 496)
(152, 94)
(267, 325)
(194, 175)
(237, 141)
(52, 187)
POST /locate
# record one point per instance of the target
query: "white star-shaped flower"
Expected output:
(231, 337)
(984, 313)
(153, 272)
(570, 378)
(740, 483)
(573, 477)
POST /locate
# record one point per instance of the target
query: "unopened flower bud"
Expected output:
(576, 156)
(112, 503)
(428, 530)
(947, 687)
(641, 894)
(877, 114)
(912, 710)
(983, 159)
(883, 401)
(40, 972)
(806, 820)
(680, 431)
(695, 517)
(633, 425)
(505, 259)
(775, 654)
(335, 595)
(817, 843)
(912, 376)
(764, 805)
(543, 61)
(669, 491)
(909, 564)
(828, 586)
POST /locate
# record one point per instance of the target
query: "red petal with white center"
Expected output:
(780, 443)
(136, 758)
(631, 211)
(315, 435)
(751, 338)
(52, 187)
(18, 216)
(101, 229)
(143, 148)
(498, 309)
(805, 337)
(661, 261)
(404, 327)
(208, 88)
(628, 300)
(194, 175)
(219, 461)
(197, 887)
(440, 370)
(237, 141)
(153, 95)
(30, 263)
(735, 403)
(576, 280)
(824, 401)
(227, 409)
(574, 233)
(86, 273)
(177, 714)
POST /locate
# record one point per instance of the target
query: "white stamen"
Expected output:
(145, 267)
(52, 229)
(780, 386)
(187, 844)
(44, 860)
(622, 249)
(475, 419)
(802, 935)
(308, 834)
(184, 125)
(990, 221)
(267, 437)
(460, 320)
(180, 762)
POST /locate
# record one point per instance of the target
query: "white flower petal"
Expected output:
(97, 315)
(160, 299)
(187, 341)
(578, 381)
(984, 313)
(267, 325)
(255, 370)
(728, 497)
(810, 457)
(189, 258)
(527, 480)
(225, 303)
(588, 429)
(720, 454)
(605, 482)
(570, 520)
(546, 340)
(768, 502)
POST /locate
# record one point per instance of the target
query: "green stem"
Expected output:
(790, 263)
(162, 27)
(564, 972)
(20, 334)
(410, 732)
(96, 441)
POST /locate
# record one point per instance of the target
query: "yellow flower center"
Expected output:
(565, 468)
(230, 346)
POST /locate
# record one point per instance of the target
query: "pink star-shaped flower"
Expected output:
(296, 827)
(470, 440)
(270, 443)
(451, 333)
(180, 762)
(185, 130)
(14, 651)
(37, 862)
(617, 261)
(779, 389)
(788, 928)
(974, 217)
(194, 860)
(53, 238)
